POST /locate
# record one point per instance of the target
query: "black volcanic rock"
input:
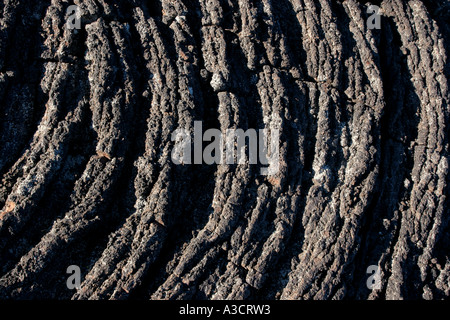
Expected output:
(87, 179)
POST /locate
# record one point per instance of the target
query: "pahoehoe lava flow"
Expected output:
(86, 141)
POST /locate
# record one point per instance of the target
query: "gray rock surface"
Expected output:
(86, 176)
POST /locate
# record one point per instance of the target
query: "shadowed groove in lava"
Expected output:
(25, 79)
(396, 163)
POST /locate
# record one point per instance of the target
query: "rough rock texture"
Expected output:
(86, 176)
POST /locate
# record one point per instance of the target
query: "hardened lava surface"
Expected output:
(87, 179)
